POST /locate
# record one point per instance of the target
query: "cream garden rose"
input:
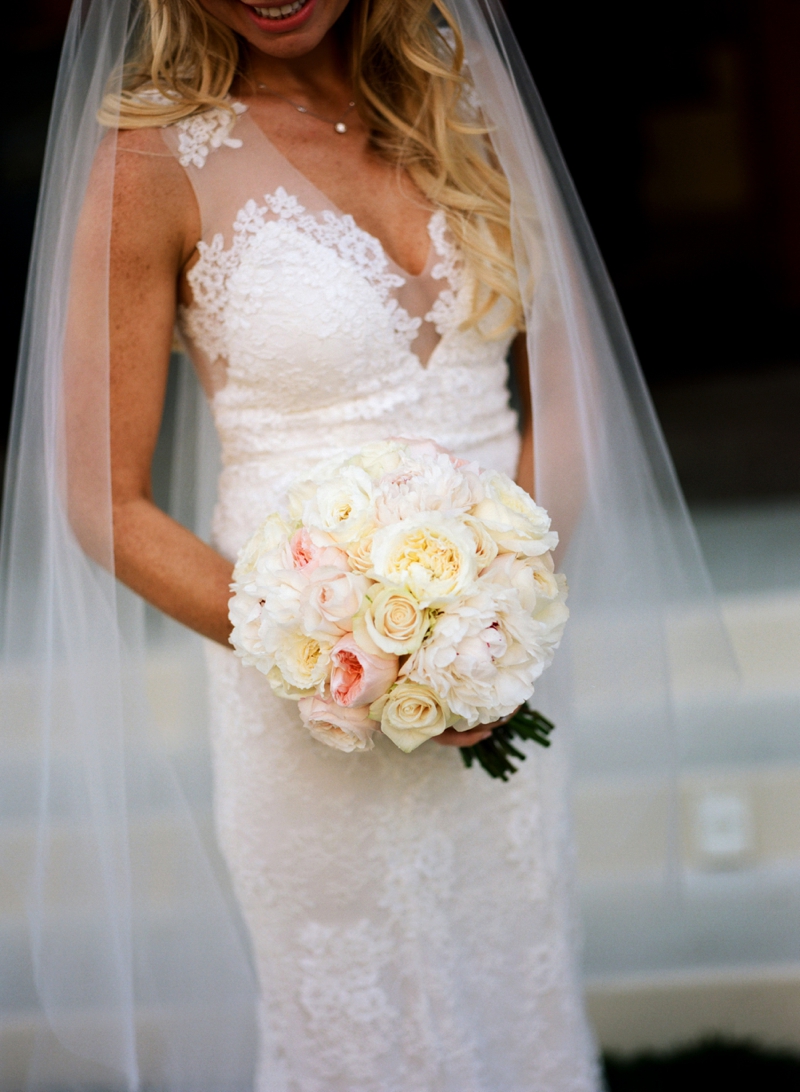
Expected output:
(432, 555)
(304, 660)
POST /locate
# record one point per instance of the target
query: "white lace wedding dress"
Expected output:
(410, 919)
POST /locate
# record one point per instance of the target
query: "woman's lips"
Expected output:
(282, 23)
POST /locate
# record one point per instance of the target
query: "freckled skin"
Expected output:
(156, 228)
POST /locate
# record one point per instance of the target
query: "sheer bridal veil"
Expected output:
(138, 973)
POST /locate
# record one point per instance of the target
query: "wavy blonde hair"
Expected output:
(413, 93)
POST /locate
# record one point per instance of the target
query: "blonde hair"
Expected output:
(413, 92)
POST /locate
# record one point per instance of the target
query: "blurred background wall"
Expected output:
(681, 125)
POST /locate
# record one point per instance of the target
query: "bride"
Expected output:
(346, 210)
(341, 257)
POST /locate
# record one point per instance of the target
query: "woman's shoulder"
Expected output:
(188, 135)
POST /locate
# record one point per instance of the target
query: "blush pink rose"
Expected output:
(308, 556)
(339, 727)
(358, 677)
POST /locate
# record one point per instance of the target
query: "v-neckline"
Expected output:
(395, 267)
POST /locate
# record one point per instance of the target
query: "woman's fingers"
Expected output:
(451, 738)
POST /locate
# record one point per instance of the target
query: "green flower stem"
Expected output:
(496, 752)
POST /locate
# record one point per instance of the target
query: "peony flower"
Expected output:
(303, 659)
(430, 484)
(329, 600)
(270, 541)
(308, 555)
(431, 555)
(410, 714)
(513, 519)
(346, 729)
(281, 593)
(244, 612)
(485, 653)
(391, 620)
(341, 508)
(359, 677)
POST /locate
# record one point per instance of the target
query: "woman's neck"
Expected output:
(318, 75)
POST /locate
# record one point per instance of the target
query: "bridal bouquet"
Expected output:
(403, 591)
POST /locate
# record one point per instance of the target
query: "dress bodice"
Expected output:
(309, 338)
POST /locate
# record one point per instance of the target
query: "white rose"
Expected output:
(379, 458)
(483, 655)
(532, 578)
(426, 484)
(345, 728)
(485, 545)
(300, 492)
(512, 517)
(303, 659)
(331, 599)
(391, 621)
(410, 714)
(342, 507)
(551, 616)
(431, 555)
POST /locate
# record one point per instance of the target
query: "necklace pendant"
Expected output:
(340, 127)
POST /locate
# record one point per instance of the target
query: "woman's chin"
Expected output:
(297, 28)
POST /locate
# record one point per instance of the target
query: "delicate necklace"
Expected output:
(338, 123)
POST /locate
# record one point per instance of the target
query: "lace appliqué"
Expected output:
(198, 134)
(202, 132)
(350, 1018)
(360, 250)
(446, 311)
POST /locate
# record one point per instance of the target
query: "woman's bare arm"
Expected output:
(155, 229)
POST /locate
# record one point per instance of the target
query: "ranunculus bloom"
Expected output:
(410, 714)
(358, 677)
(346, 729)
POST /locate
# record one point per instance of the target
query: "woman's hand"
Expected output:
(451, 738)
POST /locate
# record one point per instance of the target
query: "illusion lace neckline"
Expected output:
(246, 116)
